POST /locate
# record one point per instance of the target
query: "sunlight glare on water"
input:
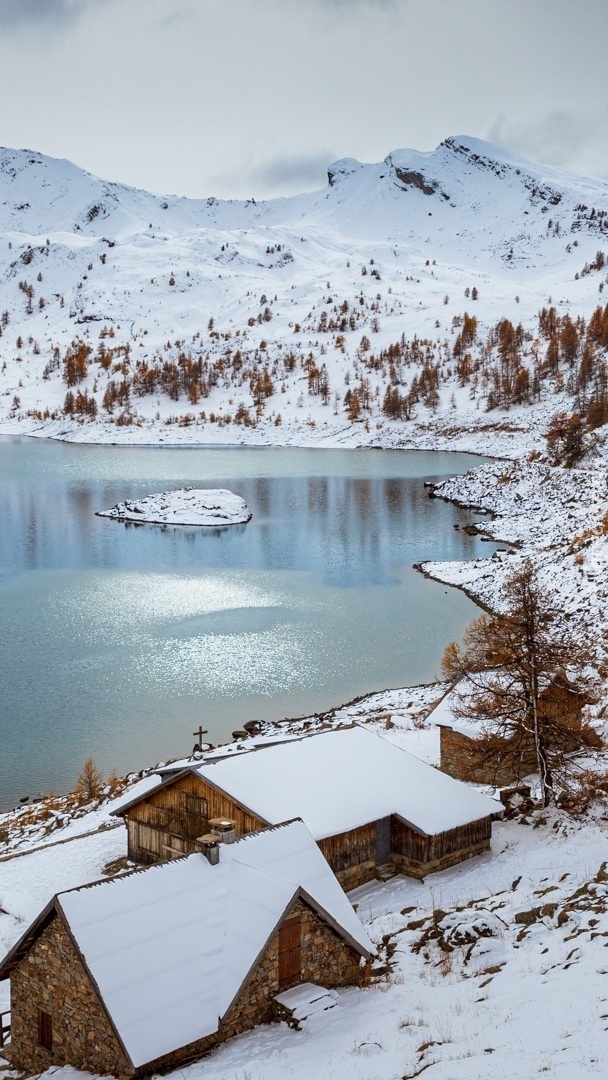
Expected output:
(119, 641)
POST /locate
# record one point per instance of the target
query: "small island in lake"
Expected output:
(185, 506)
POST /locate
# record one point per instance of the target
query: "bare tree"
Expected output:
(512, 672)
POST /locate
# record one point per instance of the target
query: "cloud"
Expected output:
(30, 14)
(558, 138)
(284, 175)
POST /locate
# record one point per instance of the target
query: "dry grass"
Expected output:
(601, 529)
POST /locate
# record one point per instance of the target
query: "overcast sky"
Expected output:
(257, 97)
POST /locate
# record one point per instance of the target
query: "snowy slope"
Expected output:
(473, 953)
(398, 242)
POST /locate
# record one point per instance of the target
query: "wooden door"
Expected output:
(383, 841)
(290, 953)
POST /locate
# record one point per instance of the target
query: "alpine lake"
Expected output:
(118, 641)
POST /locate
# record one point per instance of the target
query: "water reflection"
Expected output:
(115, 640)
(346, 528)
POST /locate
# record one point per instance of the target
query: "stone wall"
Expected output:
(461, 758)
(419, 870)
(357, 875)
(52, 978)
(326, 959)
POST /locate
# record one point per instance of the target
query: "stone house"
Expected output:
(469, 752)
(149, 970)
(367, 803)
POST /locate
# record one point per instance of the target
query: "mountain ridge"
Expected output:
(387, 252)
(459, 159)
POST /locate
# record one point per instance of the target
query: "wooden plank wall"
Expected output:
(158, 822)
(350, 848)
(405, 841)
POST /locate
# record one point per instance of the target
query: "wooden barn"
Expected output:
(470, 752)
(367, 803)
(149, 970)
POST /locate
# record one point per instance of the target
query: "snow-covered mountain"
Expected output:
(470, 185)
(390, 251)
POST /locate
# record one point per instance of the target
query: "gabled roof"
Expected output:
(443, 715)
(342, 779)
(169, 947)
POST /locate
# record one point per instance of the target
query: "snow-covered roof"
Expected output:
(338, 780)
(444, 716)
(170, 947)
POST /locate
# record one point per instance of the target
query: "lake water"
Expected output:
(118, 641)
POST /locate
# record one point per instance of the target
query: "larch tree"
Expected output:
(511, 672)
(90, 780)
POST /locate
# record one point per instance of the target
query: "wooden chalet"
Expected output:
(149, 970)
(367, 803)
(471, 752)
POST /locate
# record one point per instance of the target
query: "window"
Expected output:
(45, 1030)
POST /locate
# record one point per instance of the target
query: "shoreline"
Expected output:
(399, 447)
(421, 568)
(470, 576)
(403, 702)
(439, 434)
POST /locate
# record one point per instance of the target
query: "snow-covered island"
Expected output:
(207, 507)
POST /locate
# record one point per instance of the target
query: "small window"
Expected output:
(45, 1030)
(196, 805)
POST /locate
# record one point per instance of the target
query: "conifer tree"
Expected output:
(506, 669)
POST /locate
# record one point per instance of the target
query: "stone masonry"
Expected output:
(452, 858)
(358, 875)
(326, 958)
(51, 977)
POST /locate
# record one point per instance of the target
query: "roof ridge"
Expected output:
(270, 744)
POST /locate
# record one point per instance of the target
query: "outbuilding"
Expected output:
(367, 802)
(473, 751)
(149, 970)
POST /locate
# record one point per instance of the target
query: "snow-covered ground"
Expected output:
(496, 967)
(199, 321)
(186, 506)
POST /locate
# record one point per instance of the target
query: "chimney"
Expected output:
(210, 847)
(223, 829)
